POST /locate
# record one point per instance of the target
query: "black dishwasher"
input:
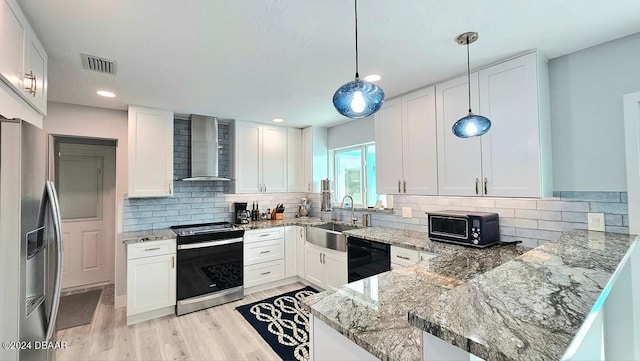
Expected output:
(366, 258)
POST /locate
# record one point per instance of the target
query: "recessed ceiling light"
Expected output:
(278, 120)
(372, 78)
(106, 93)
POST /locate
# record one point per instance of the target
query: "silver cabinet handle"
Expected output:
(320, 257)
(171, 188)
(477, 185)
(399, 191)
(264, 252)
(485, 185)
(403, 257)
(309, 187)
(173, 262)
(265, 187)
(152, 249)
(324, 258)
(264, 235)
(405, 186)
(265, 273)
(31, 89)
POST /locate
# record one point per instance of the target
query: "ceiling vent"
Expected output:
(101, 65)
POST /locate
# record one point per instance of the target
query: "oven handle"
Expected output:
(367, 249)
(209, 244)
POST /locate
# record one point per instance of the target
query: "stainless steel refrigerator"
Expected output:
(30, 244)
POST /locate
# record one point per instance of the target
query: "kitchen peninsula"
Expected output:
(500, 303)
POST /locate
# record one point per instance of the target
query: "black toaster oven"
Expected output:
(475, 229)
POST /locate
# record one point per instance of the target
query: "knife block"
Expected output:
(279, 216)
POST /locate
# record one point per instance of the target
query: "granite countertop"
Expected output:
(166, 233)
(529, 308)
(460, 296)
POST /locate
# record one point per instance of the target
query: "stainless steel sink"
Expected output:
(329, 235)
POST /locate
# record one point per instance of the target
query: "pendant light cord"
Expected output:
(468, 75)
(356, 16)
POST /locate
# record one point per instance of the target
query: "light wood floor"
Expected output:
(218, 333)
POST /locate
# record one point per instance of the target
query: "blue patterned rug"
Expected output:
(282, 322)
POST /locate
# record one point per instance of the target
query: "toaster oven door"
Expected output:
(449, 227)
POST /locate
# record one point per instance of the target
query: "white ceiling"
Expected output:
(260, 59)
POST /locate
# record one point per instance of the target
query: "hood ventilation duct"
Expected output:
(204, 149)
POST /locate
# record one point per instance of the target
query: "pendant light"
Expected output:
(471, 125)
(358, 98)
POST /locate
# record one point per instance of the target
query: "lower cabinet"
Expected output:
(294, 239)
(264, 256)
(325, 267)
(402, 257)
(151, 280)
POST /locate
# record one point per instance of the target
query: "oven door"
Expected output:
(208, 267)
(366, 258)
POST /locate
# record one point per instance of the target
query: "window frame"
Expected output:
(363, 148)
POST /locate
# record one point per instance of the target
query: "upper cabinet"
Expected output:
(314, 157)
(295, 161)
(406, 144)
(514, 158)
(150, 152)
(23, 61)
(260, 158)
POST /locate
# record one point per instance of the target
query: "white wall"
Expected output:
(356, 131)
(587, 122)
(78, 120)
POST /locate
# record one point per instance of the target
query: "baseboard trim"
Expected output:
(145, 316)
(274, 284)
(120, 301)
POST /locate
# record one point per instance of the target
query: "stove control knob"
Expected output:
(475, 241)
(474, 235)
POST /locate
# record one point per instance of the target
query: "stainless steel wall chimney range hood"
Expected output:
(204, 149)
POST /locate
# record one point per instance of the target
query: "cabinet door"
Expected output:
(295, 163)
(388, 130)
(302, 240)
(335, 266)
(291, 251)
(248, 165)
(459, 160)
(150, 152)
(511, 148)
(419, 149)
(151, 283)
(36, 68)
(307, 157)
(12, 37)
(274, 159)
(314, 269)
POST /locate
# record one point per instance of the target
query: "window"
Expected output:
(354, 174)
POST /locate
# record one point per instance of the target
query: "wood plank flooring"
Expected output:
(218, 333)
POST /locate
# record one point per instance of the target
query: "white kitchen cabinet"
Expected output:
(23, 61)
(264, 256)
(315, 157)
(260, 158)
(294, 251)
(513, 158)
(324, 267)
(302, 241)
(150, 152)
(406, 144)
(295, 161)
(403, 257)
(151, 280)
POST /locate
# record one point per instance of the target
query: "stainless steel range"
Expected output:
(209, 265)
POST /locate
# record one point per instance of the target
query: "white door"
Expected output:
(295, 162)
(274, 159)
(248, 158)
(291, 251)
(301, 240)
(151, 283)
(12, 35)
(314, 269)
(419, 154)
(511, 149)
(459, 159)
(85, 178)
(388, 133)
(335, 266)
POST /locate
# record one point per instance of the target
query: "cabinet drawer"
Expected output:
(424, 255)
(258, 235)
(262, 273)
(151, 248)
(264, 251)
(403, 256)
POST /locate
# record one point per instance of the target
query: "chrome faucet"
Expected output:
(353, 216)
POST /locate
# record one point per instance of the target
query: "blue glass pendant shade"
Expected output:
(471, 126)
(358, 99)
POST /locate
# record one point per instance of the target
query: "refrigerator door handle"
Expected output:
(54, 208)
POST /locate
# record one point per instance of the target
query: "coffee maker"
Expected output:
(243, 216)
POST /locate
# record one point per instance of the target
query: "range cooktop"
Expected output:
(200, 228)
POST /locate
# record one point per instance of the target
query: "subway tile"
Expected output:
(515, 203)
(519, 222)
(130, 221)
(574, 217)
(179, 206)
(538, 214)
(538, 234)
(158, 207)
(502, 212)
(616, 229)
(555, 205)
(625, 220)
(605, 207)
(131, 215)
(507, 231)
(560, 226)
(592, 196)
(613, 220)
(161, 225)
(623, 197)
